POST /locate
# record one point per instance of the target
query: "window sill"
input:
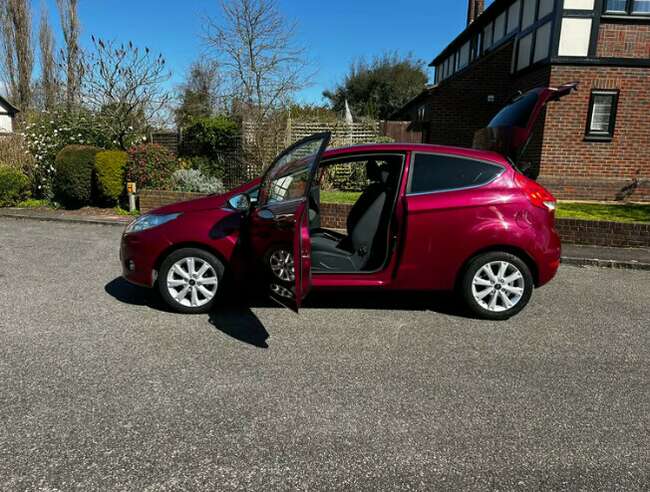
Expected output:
(598, 138)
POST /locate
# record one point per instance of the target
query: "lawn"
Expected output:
(601, 211)
(339, 196)
(574, 210)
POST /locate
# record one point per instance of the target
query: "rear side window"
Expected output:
(444, 172)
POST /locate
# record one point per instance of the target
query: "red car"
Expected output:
(431, 218)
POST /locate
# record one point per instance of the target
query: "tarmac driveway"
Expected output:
(101, 388)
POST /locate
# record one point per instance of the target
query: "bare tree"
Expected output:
(71, 54)
(125, 86)
(17, 49)
(49, 76)
(199, 94)
(256, 49)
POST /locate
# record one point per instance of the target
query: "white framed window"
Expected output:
(422, 110)
(602, 114)
(542, 42)
(513, 16)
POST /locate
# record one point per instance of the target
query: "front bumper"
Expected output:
(138, 255)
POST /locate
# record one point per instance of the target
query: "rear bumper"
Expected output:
(138, 255)
(548, 259)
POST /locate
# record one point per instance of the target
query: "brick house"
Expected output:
(7, 116)
(593, 144)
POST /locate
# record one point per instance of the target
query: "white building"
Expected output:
(7, 116)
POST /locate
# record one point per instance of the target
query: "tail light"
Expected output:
(536, 193)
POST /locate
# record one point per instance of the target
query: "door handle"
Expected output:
(265, 214)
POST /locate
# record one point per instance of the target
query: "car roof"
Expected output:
(413, 147)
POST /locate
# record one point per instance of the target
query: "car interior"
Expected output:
(364, 245)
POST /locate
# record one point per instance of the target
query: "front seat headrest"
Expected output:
(375, 172)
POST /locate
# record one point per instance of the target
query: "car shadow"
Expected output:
(234, 317)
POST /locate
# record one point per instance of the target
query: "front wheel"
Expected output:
(189, 280)
(497, 285)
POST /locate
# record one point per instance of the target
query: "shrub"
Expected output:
(210, 137)
(73, 175)
(110, 168)
(47, 133)
(212, 167)
(193, 180)
(150, 166)
(14, 186)
(14, 153)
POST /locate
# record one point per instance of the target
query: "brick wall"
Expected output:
(150, 199)
(624, 41)
(607, 168)
(614, 234)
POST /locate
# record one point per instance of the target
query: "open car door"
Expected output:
(510, 131)
(279, 227)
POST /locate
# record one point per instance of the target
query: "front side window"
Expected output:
(289, 176)
(435, 173)
(602, 114)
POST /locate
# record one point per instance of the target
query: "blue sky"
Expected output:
(335, 33)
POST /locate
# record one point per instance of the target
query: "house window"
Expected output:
(513, 17)
(523, 53)
(627, 7)
(545, 8)
(421, 112)
(602, 115)
(499, 28)
(542, 42)
(528, 17)
(487, 37)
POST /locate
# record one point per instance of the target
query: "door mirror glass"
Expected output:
(240, 202)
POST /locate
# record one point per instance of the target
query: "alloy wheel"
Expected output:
(192, 282)
(498, 286)
(281, 263)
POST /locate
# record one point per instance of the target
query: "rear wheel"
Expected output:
(189, 280)
(497, 285)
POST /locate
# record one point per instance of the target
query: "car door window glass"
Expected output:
(289, 177)
(433, 173)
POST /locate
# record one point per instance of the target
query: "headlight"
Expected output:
(148, 221)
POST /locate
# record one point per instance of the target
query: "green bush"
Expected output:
(209, 137)
(14, 186)
(110, 168)
(150, 166)
(73, 175)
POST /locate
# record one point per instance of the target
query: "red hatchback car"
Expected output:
(431, 218)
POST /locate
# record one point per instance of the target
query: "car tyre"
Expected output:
(190, 280)
(496, 285)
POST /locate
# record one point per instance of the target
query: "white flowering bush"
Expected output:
(47, 133)
(193, 180)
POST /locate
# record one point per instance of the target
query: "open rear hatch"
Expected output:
(510, 131)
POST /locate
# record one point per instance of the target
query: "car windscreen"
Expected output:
(517, 113)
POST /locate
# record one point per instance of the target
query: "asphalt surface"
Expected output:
(101, 388)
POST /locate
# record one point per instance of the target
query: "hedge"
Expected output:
(14, 186)
(73, 175)
(110, 169)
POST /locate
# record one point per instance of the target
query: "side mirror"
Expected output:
(240, 202)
